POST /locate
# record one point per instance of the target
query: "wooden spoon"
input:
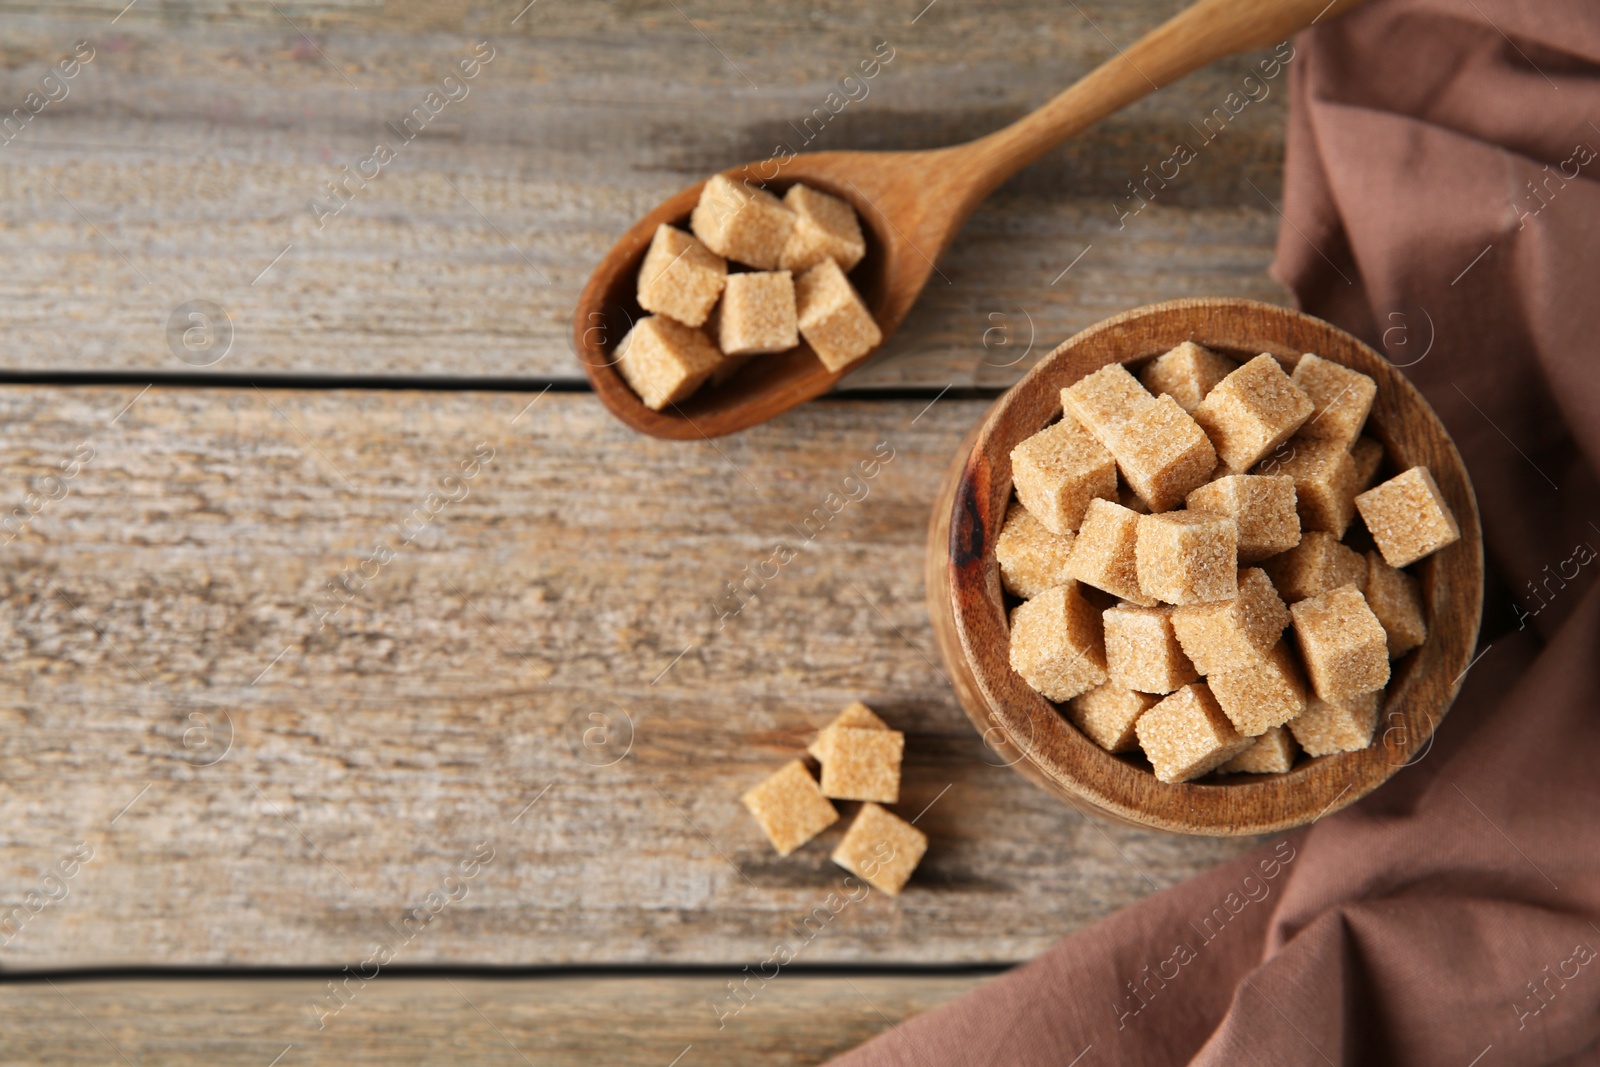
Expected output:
(911, 205)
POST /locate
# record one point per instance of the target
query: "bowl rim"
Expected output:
(1423, 683)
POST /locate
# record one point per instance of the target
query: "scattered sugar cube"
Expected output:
(1317, 564)
(833, 318)
(1057, 645)
(664, 361)
(1272, 753)
(1408, 517)
(1232, 634)
(1262, 506)
(1186, 373)
(790, 807)
(743, 222)
(1187, 734)
(757, 314)
(1032, 559)
(1058, 471)
(1252, 411)
(855, 714)
(1326, 727)
(1104, 552)
(862, 763)
(1395, 599)
(1345, 649)
(1163, 453)
(1141, 651)
(1107, 714)
(858, 714)
(1340, 399)
(825, 227)
(1187, 557)
(1263, 694)
(1325, 483)
(1104, 400)
(680, 277)
(1367, 455)
(881, 848)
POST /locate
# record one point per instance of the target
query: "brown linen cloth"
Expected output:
(1452, 917)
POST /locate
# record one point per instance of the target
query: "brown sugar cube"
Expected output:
(1326, 727)
(790, 807)
(1395, 599)
(1252, 411)
(856, 714)
(1186, 373)
(1264, 694)
(825, 227)
(1187, 735)
(730, 365)
(757, 314)
(1408, 517)
(833, 318)
(1262, 506)
(1232, 634)
(1057, 645)
(1163, 453)
(1104, 400)
(1325, 483)
(745, 223)
(680, 277)
(1340, 399)
(881, 848)
(1104, 552)
(862, 763)
(1141, 651)
(1058, 471)
(1188, 557)
(1107, 714)
(1032, 559)
(1317, 564)
(664, 361)
(1345, 650)
(1272, 753)
(1367, 455)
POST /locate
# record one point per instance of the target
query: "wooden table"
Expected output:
(278, 667)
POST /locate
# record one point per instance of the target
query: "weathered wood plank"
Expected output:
(794, 1019)
(177, 592)
(185, 156)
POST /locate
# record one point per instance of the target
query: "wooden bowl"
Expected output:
(969, 609)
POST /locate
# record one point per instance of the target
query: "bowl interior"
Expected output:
(1048, 747)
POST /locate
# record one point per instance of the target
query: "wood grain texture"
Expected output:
(969, 614)
(184, 159)
(176, 591)
(629, 1022)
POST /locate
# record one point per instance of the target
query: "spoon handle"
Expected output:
(1201, 33)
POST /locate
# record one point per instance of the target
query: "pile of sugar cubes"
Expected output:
(706, 322)
(860, 758)
(1154, 605)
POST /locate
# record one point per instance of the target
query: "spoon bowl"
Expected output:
(889, 277)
